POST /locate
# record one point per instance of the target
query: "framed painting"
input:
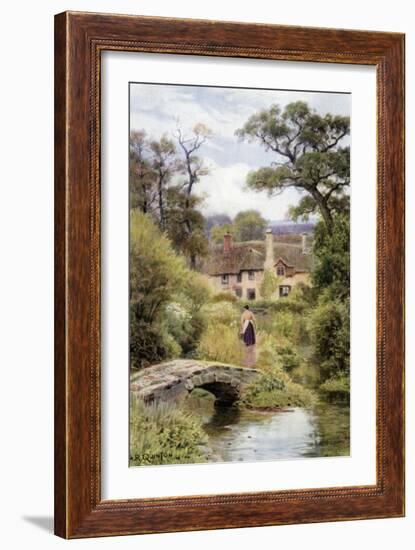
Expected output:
(229, 275)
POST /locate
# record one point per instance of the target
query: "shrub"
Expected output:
(289, 357)
(224, 297)
(337, 387)
(156, 271)
(269, 284)
(267, 352)
(164, 434)
(183, 325)
(293, 304)
(285, 326)
(222, 312)
(150, 343)
(274, 388)
(332, 256)
(166, 297)
(329, 327)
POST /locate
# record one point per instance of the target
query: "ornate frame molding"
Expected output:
(79, 40)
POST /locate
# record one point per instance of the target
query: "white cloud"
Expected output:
(157, 107)
(225, 192)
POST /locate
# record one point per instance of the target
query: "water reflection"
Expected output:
(242, 435)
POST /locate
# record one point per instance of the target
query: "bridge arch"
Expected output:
(225, 393)
(173, 380)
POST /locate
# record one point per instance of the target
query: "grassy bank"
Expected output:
(275, 389)
(281, 331)
(164, 434)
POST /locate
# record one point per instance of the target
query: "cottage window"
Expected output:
(238, 292)
(250, 293)
(239, 278)
(251, 275)
(284, 290)
(280, 270)
(225, 279)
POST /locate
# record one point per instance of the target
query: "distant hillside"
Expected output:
(288, 227)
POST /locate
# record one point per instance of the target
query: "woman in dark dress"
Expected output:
(248, 336)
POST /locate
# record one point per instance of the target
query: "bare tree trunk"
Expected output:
(161, 205)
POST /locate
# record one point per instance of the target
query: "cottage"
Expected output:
(239, 267)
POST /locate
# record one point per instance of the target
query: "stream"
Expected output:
(242, 435)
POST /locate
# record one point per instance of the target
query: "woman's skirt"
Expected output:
(249, 335)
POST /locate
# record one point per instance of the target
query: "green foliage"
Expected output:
(275, 349)
(224, 297)
(220, 343)
(163, 176)
(267, 356)
(180, 325)
(224, 312)
(337, 386)
(268, 284)
(330, 319)
(155, 269)
(330, 335)
(216, 220)
(141, 174)
(275, 305)
(219, 231)
(289, 325)
(185, 224)
(188, 230)
(299, 300)
(166, 297)
(285, 323)
(164, 434)
(276, 353)
(149, 343)
(332, 257)
(220, 339)
(314, 161)
(306, 207)
(289, 356)
(249, 225)
(275, 389)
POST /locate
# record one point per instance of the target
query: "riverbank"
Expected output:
(198, 431)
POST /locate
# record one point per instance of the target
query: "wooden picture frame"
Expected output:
(79, 40)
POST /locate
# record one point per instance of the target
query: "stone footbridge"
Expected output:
(173, 380)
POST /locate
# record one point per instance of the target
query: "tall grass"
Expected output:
(164, 434)
(220, 341)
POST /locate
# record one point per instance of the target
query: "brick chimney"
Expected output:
(227, 242)
(269, 249)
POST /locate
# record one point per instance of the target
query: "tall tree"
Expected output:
(193, 168)
(219, 231)
(164, 164)
(142, 175)
(216, 220)
(249, 226)
(308, 156)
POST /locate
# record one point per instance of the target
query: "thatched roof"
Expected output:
(250, 255)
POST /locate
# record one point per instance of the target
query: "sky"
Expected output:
(158, 108)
